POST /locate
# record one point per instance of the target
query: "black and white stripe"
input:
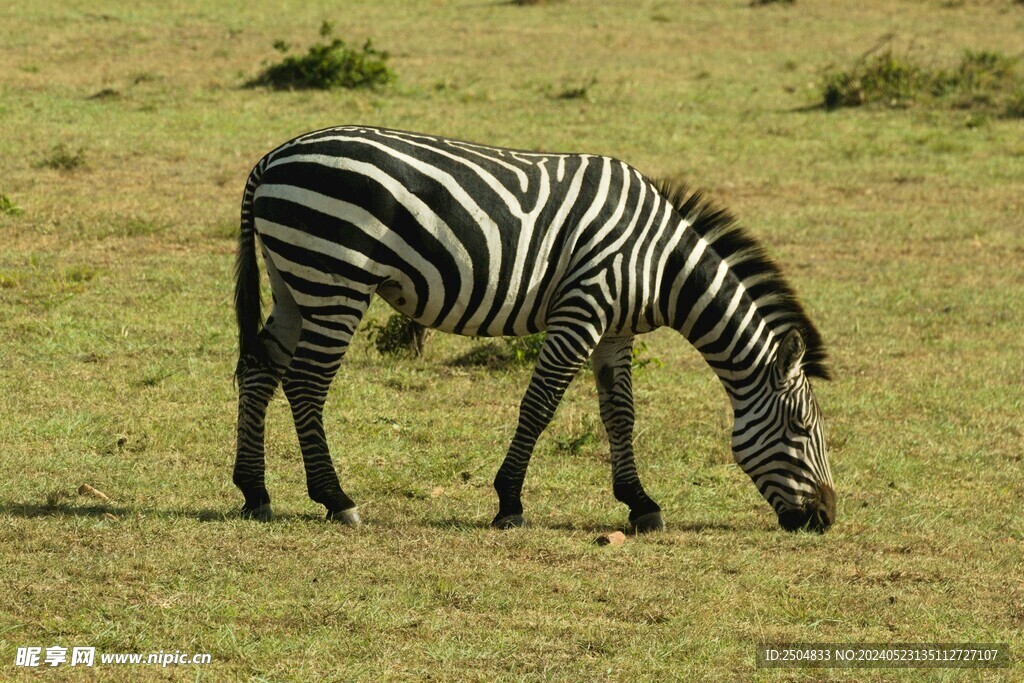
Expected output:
(485, 241)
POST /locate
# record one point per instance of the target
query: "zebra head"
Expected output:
(778, 441)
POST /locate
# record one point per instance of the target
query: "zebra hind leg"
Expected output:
(258, 378)
(612, 363)
(317, 357)
(560, 358)
(258, 374)
(256, 385)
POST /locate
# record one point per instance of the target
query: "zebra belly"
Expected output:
(404, 300)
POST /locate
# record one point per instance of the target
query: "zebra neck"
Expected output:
(743, 372)
(724, 293)
(715, 312)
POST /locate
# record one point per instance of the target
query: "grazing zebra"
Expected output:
(485, 241)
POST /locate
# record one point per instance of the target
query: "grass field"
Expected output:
(126, 137)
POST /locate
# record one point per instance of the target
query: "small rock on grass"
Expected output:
(614, 538)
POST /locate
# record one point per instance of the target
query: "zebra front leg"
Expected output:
(612, 362)
(306, 383)
(560, 358)
(256, 385)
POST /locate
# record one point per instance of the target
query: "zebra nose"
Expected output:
(816, 516)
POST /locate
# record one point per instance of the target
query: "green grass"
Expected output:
(901, 229)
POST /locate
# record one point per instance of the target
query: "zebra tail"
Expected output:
(248, 302)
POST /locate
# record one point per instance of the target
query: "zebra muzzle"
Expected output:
(817, 516)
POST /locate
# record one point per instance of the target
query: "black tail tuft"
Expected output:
(248, 303)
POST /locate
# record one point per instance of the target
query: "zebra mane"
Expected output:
(747, 258)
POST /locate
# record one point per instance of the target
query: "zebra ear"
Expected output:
(790, 356)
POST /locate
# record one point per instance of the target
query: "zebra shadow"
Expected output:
(671, 527)
(477, 524)
(120, 512)
(531, 525)
(459, 524)
(112, 510)
(582, 526)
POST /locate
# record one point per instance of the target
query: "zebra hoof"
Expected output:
(348, 517)
(509, 522)
(260, 514)
(643, 524)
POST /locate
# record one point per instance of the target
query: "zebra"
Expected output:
(487, 241)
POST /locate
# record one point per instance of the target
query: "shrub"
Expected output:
(1015, 107)
(525, 349)
(327, 65)
(398, 335)
(885, 78)
(981, 79)
(575, 443)
(8, 207)
(640, 361)
(63, 159)
(984, 80)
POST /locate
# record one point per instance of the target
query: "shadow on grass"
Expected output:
(101, 510)
(453, 524)
(456, 524)
(804, 109)
(489, 355)
(693, 527)
(698, 527)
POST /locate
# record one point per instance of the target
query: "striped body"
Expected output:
(485, 241)
(469, 239)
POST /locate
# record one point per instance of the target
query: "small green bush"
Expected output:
(885, 78)
(1015, 107)
(983, 69)
(8, 207)
(640, 360)
(63, 159)
(525, 349)
(327, 65)
(575, 443)
(398, 335)
(984, 80)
